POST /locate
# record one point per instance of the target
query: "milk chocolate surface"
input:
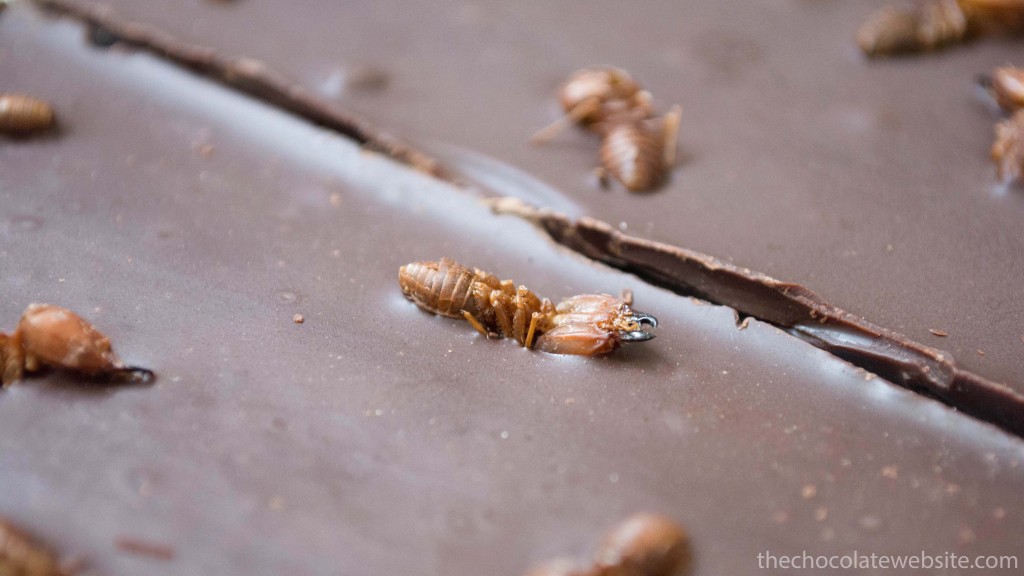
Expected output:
(868, 182)
(191, 224)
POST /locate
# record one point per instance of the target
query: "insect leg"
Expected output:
(579, 112)
(476, 324)
(670, 133)
(12, 368)
(534, 319)
(499, 302)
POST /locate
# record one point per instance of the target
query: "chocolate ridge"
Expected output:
(246, 75)
(793, 307)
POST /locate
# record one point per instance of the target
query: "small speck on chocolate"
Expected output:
(939, 333)
(143, 548)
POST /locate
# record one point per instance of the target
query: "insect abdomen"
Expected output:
(444, 287)
(20, 114)
(633, 156)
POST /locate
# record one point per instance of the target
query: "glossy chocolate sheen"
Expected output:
(869, 182)
(190, 224)
(805, 314)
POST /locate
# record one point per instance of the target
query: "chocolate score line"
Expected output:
(246, 75)
(789, 306)
(792, 307)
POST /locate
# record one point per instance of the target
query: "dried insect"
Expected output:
(587, 324)
(1008, 149)
(49, 335)
(637, 154)
(991, 17)
(21, 115)
(1006, 85)
(642, 545)
(645, 544)
(932, 24)
(636, 149)
(21, 555)
(595, 95)
(926, 26)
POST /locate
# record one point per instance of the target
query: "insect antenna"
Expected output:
(579, 112)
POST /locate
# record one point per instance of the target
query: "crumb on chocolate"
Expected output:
(154, 550)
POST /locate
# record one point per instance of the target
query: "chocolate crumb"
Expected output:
(298, 319)
(143, 548)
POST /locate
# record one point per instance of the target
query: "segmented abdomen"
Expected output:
(632, 154)
(20, 114)
(444, 287)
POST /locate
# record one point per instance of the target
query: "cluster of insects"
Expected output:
(637, 148)
(51, 336)
(642, 545)
(933, 24)
(1006, 84)
(21, 115)
(584, 325)
(22, 555)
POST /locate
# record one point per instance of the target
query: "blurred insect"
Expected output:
(638, 154)
(994, 17)
(21, 115)
(642, 545)
(1008, 149)
(21, 555)
(593, 96)
(636, 149)
(49, 335)
(932, 24)
(1006, 85)
(645, 544)
(586, 325)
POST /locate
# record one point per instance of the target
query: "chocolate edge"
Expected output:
(245, 75)
(793, 307)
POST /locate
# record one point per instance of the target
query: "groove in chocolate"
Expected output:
(245, 75)
(790, 306)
